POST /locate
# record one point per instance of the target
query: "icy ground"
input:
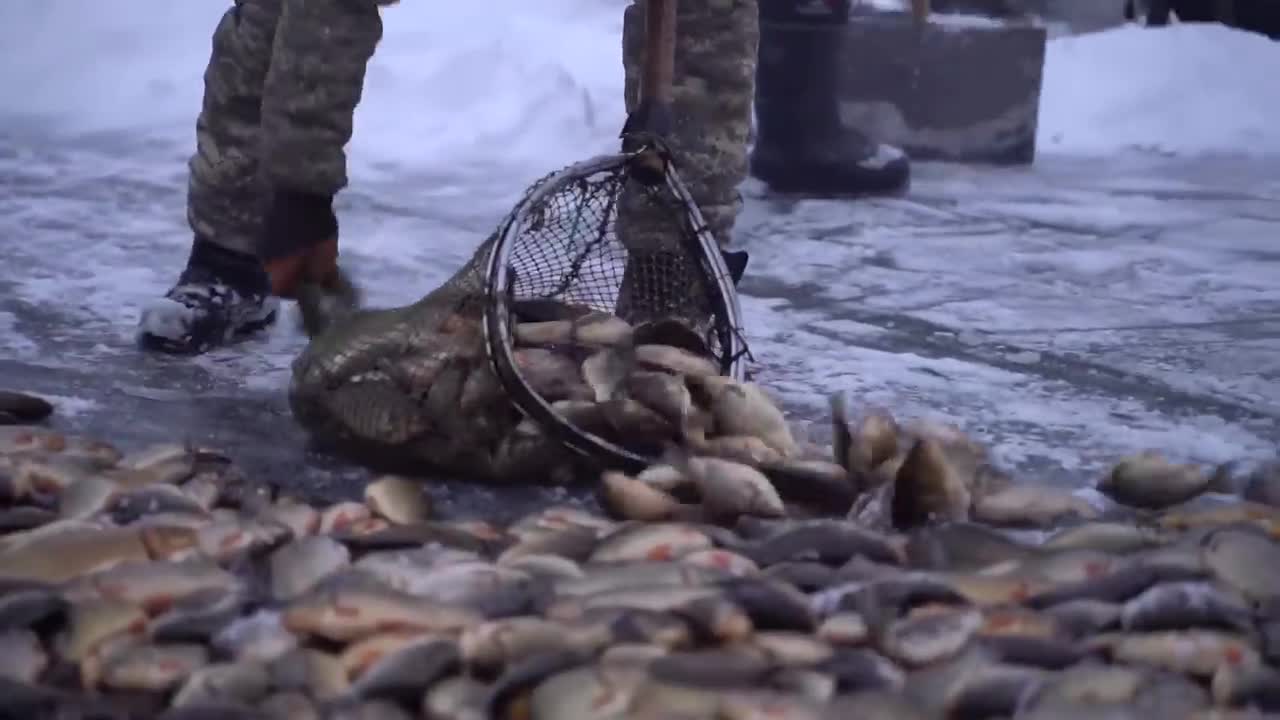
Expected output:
(1121, 294)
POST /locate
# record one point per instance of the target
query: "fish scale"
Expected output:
(371, 607)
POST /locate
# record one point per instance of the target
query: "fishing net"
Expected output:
(593, 237)
(435, 382)
(617, 234)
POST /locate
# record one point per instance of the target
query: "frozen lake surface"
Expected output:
(1121, 294)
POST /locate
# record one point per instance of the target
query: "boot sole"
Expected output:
(850, 181)
(169, 346)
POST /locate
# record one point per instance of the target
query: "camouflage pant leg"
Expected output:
(315, 82)
(713, 92)
(223, 191)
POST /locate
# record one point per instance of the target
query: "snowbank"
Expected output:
(452, 84)
(1182, 89)
(464, 85)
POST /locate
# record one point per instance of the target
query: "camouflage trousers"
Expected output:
(712, 99)
(713, 92)
(280, 92)
(285, 76)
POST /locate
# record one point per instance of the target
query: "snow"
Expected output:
(453, 87)
(1181, 89)
(464, 86)
(1073, 304)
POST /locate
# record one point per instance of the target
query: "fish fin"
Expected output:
(623, 360)
(736, 263)
(904, 509)
(1223, 480)
(626, 355)
(693, 428)
(841, 438)
(615, 365)
(677, 457)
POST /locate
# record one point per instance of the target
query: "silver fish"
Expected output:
(1082, 618)
(22, 657)
(1031, 506)
(1246, 560)
(676, 360)
(661, 392)
(586, 414)
(659, 541)
(745, 449)
(299, 565)
(505, 642)
(398, 499)
(24, 407)
(639, 574)
(605, 371)
(290, 705)
(455, 698)
(406, 672)
(930, 487)
(257, 637)
(729, 489)
(1173, 606)
(491, 589)
(591, 691)
(627, 498)
(600, 329)
(316, 673)
(1192, 652)
(1112, 537)
(1236, 685)
(730, 562)
(155, 668)
(301, 519)
(926, 638)
(551, 375)
(862, 443)
(1148, 480)
(744, 408)
(239, 682)
(548, 332)
(963, 546)
(1263, 485)
(351, 611)
(198, 616)
(155, 586)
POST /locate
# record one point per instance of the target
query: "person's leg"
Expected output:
(803, 145)
(712, 94)
(315, 82)
(716, 44)
(1158, 12)
(223, 293)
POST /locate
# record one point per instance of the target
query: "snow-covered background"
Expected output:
(1120, 294)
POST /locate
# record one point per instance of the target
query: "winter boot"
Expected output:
(222, 296)
(801, 144)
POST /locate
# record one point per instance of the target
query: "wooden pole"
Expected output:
(920, 11)
(659, 51)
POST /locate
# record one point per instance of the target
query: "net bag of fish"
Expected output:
(561, 346)
(607, 294)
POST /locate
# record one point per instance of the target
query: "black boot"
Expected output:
(222, 296)
(801, 144)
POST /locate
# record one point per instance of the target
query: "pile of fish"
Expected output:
(655, 390)
(165, 583)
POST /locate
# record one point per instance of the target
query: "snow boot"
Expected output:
(221, 296)
(801, 144)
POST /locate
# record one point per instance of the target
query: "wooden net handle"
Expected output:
(659, 51)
